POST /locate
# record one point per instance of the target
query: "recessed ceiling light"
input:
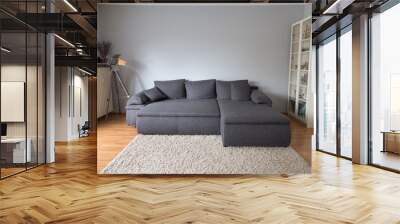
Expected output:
(64, 40)
(5, 50)
(84, 71)
(337, 7)
(70, 5)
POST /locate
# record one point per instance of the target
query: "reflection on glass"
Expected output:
(327, 96)
(22, 92)
(13, 86)
(41, 98)
(385, 89)
(31, 100)
(346, 94)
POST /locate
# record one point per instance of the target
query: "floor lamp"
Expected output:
(116, 62)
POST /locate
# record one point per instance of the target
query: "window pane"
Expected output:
(346, 94)
(41, 98)
(31, 100)
(385, 89)
(327, 96)
(13, 86)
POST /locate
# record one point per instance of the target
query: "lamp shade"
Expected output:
(117, 60)
(121, 62)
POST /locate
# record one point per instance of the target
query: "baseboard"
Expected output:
(110, 114)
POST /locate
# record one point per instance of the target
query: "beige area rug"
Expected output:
(202, 154)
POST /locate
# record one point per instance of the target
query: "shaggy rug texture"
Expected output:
(202, 154)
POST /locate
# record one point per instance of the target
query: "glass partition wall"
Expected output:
(334, 94)
(22, 77)
(385, 89)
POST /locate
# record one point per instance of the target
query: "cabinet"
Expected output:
(300, 99)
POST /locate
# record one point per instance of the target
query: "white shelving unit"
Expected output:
(300, 99)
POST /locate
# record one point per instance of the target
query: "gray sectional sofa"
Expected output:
(241, 114)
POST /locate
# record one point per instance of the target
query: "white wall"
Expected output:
(80, 114)
(61, 103)
(203, 41)
(103, 92)
(68, 83)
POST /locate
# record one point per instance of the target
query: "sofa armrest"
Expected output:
(259, 97)
(131, 113)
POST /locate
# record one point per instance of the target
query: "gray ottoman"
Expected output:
(244, 123)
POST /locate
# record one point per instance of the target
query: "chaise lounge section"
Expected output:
(241, 114)
(244, 123)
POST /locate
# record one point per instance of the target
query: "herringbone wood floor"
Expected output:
(70, 191)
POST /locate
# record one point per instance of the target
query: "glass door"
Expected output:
(326, 101)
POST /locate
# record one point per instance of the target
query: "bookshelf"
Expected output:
(300, 70)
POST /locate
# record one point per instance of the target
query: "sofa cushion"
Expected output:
(134, 107)
(259, 97)
(223, 89)
(240, 90)
(181, 108)
(247, 112)
(154, 94)
(138, 99)
(204, 89)
(173, 89)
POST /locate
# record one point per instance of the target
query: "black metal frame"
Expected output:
(337, 35)
(389, 4)
(0, 89)
(44, 80)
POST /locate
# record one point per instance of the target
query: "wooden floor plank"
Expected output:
(70, 191)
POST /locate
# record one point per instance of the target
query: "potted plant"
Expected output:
(103, 48)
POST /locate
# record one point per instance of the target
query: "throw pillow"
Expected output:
(138, 99)
(259, 97)
(154, 94)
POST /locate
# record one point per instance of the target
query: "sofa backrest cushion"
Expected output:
(154, 94)
(173, 89)
(223, 89)
(240, 90)
(203, 89)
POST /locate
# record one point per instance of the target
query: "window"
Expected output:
(335, 94)
(385, 89)
(327, 96)
(346, 93)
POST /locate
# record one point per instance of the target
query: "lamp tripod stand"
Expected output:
(116, 82)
